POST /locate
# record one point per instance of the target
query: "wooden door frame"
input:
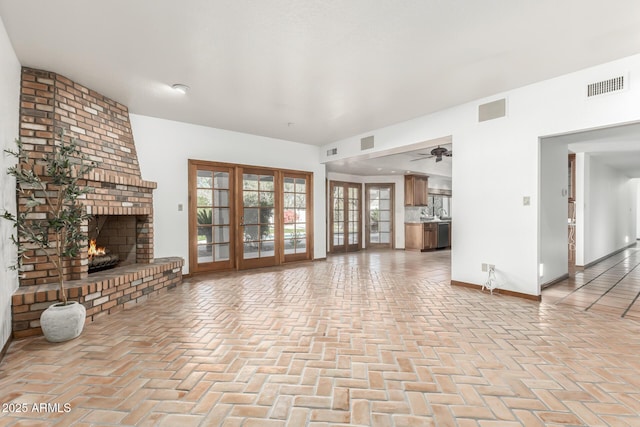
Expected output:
(367, 229)
(346, 185)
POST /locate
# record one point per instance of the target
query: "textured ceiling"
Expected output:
(314, 71)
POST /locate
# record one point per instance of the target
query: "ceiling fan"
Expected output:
(437, 152)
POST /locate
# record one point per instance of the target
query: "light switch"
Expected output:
(526, 201)
(180, 207)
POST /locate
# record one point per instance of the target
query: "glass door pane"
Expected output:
(258, 218)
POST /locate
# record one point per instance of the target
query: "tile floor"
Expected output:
(376, 339)
(612, 286)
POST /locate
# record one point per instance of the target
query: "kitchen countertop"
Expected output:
(428, 222)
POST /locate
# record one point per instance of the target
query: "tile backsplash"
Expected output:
(413, 213)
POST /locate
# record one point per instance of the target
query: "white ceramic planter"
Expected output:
(61, 322)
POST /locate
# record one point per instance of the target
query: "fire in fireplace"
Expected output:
(112, 241)
(100, 258)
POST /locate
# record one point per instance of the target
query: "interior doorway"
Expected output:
(595, 193)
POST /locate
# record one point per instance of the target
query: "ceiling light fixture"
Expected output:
(178, 87)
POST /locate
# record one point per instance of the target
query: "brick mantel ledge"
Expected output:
(101, 293)
(100, 176)
(121, 180)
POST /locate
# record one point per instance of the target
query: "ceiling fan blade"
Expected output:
(424, 156)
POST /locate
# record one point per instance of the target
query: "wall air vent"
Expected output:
(366, 143)
(492, 110)
(615, 84)
(332, 152)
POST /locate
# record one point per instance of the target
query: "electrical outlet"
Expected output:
(484, 267)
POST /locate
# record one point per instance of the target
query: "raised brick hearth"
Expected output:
(51, 103)
(103, 293)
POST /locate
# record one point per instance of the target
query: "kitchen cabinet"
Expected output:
(421, 236)
(415, 190)
(430, 240)
(413, 236)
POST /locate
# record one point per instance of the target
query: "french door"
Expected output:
(345, 207)
(379, 215)
(258, 228)
(211, 219)
(244, 217)
(297, 216)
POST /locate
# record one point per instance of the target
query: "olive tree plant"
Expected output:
(50, 214)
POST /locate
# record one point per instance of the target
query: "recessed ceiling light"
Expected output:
(179, 87)
(379, 169)
(393, 171)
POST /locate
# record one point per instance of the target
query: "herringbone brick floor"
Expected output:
(376, 339)
(611, 286)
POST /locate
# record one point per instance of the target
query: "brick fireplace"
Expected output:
(49, 103)
(121, 202)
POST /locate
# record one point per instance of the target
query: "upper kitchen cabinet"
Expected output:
(415, 190)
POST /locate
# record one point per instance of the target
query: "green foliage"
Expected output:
(51, 217)
(205, 218)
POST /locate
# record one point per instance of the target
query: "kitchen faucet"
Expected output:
(442, 212)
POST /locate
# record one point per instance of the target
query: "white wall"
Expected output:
(610, 201)
(637, 184)
(496, 164)
(554, 256)
(582, 200)
(164, 148)
(398, 207)
(9, 117)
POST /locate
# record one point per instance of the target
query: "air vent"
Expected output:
(615, 84)
(366, 143)
(492, 110)
(332, 152)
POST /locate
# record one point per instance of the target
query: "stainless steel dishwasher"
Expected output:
(443, 235)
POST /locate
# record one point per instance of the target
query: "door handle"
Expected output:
(241, 221)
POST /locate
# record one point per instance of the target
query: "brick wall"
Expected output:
(50, 102)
